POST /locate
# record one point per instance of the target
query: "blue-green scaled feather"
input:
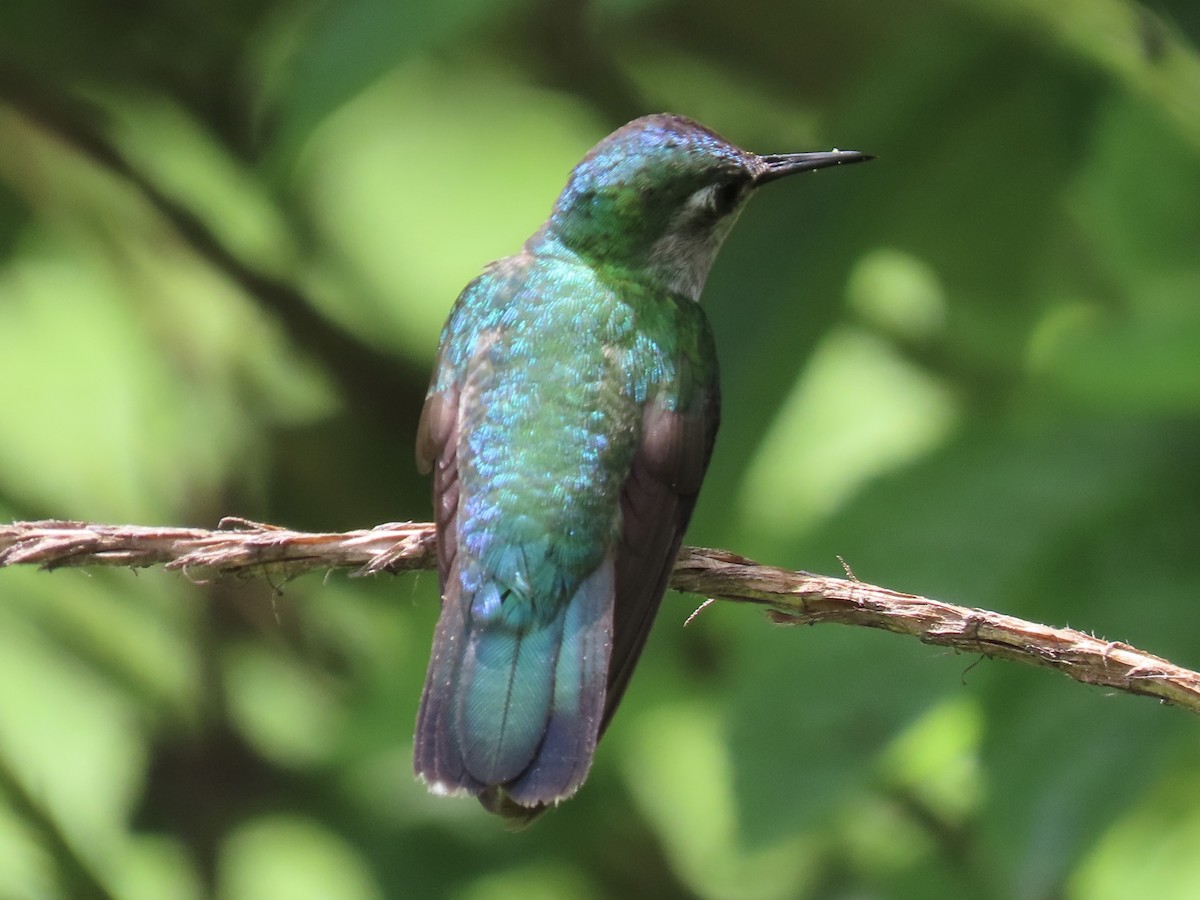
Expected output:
(552, 573)
(568, 426)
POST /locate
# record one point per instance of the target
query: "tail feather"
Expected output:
(514, 717)
(580, 676)
(504, 699)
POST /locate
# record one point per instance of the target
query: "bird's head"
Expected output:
(659, 195)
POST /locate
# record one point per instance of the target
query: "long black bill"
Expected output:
(781, 164)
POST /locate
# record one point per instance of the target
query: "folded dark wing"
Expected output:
(437, 757)
(656, 504)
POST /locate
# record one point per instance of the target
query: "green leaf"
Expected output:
(348, 45)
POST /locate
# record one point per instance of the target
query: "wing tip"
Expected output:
(516, 816)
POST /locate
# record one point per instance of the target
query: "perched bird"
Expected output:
(568, 426)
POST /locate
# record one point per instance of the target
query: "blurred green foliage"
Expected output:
(229, 233)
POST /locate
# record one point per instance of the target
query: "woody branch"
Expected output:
(244, 548)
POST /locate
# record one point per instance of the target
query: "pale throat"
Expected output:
(681, 259)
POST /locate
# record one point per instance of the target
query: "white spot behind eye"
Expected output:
(719, 199)
(702, 201)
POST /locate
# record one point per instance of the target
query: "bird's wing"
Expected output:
(436, 756)
(437, 453)
(656, 504)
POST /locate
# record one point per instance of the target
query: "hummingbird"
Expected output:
(568, 426)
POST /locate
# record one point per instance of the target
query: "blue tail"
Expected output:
(513, 715)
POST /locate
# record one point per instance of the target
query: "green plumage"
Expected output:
(568, 426)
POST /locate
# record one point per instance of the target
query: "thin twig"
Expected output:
(245, 548)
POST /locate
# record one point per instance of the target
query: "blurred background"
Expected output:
(229, 234)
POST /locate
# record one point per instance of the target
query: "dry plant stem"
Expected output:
(240, 547)
(237, 547)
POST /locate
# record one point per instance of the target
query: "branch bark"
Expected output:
(244, 548)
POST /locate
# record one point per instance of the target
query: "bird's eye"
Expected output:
(725, 197)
